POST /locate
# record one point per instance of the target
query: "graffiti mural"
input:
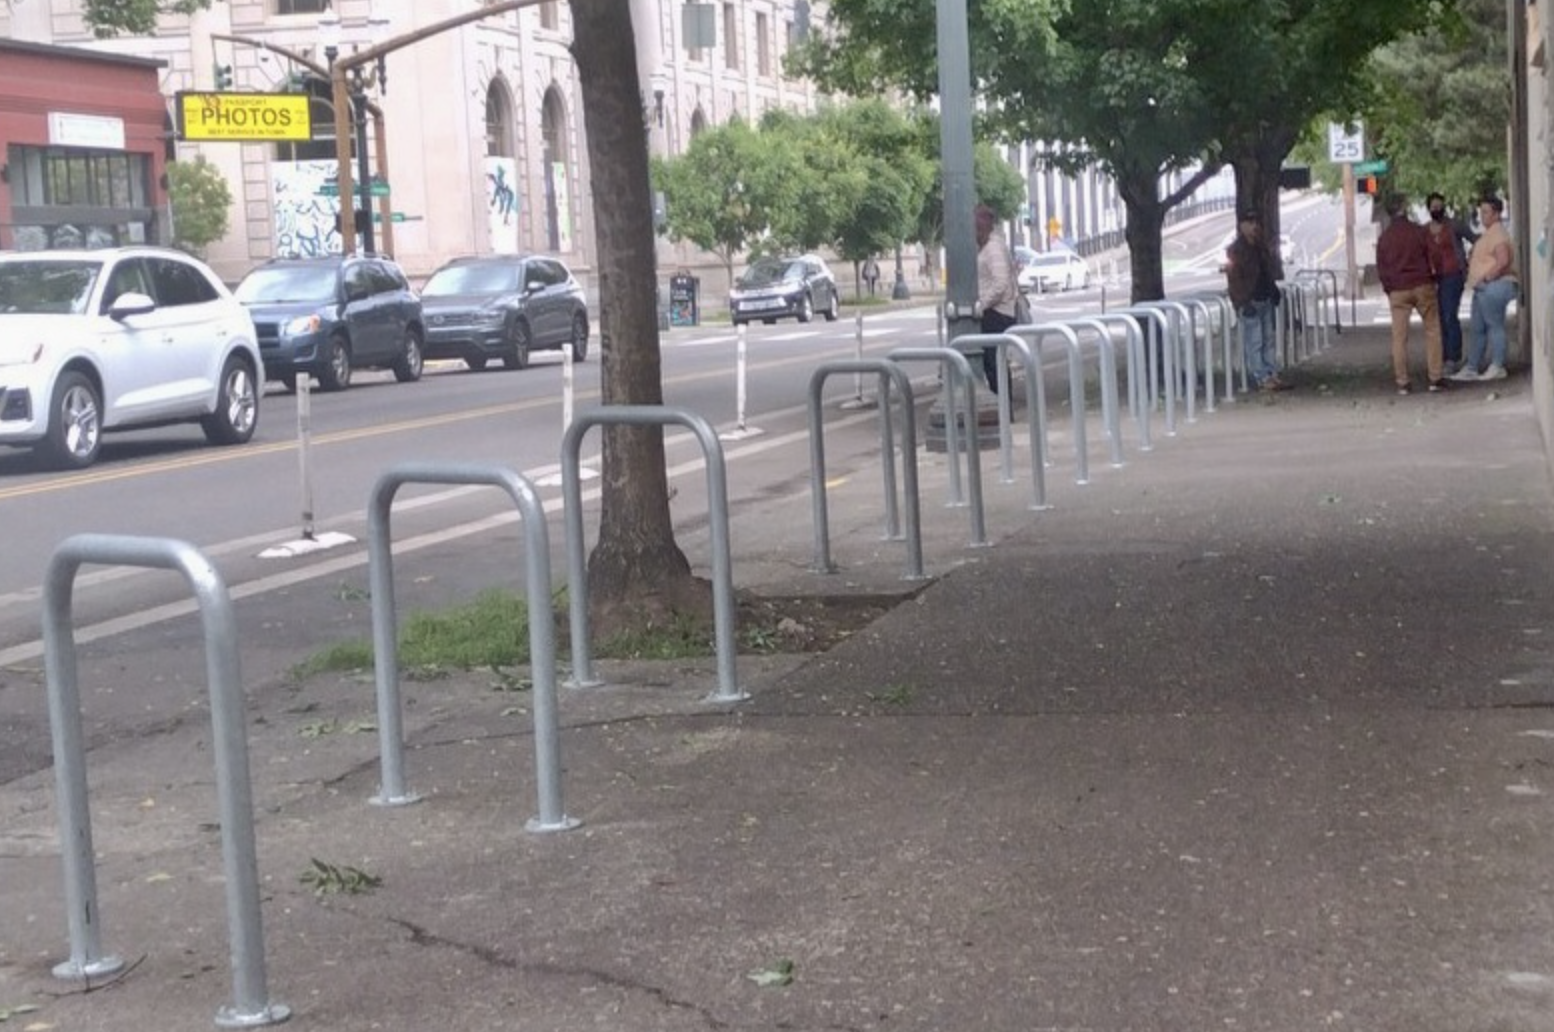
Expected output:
(304, 219)
(502, 204)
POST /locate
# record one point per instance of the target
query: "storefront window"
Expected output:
(65, 197)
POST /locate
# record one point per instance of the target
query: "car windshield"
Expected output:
(765, 273)
(288, 283)
(484, 278)
(46, 288)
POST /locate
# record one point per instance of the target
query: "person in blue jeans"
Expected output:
(1493, 279)
(1254, 291)
(1449, 258)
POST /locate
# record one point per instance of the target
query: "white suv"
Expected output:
(120, 338)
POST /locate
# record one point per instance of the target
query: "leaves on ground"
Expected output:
(326, 878)
(777, 973)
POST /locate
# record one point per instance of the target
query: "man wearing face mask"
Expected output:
(1447, 237)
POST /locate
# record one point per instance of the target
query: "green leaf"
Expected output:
(778, 973)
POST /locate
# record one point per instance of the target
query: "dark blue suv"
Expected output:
(326, 317)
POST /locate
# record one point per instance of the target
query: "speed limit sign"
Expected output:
(1345, 143)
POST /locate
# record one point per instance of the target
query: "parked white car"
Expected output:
(1054, 270)
(120, 338)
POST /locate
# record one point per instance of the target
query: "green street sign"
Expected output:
(1371, 168)
(379, 189)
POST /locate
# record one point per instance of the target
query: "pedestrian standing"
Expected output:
(871, 274)
(1404, 266)
(997, 291)
(1450, 258)
(1494, 282)
(1254, 290)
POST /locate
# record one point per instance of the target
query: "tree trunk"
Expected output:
(1146, 216)
(637, 575)
(1257, 184)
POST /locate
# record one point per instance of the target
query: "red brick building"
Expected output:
(85, 137)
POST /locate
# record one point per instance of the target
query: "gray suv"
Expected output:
(503, 307)
(326, 317)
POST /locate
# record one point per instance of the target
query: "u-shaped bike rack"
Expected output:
(889, 373)
(542, 635)
(251, 1006)
(717, 511)
(960, 370)
(1035, 400)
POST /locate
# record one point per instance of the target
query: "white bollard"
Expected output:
(305, 452)
(739, 388)
(566, 387)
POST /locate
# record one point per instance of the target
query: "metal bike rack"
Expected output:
(1185, 337)
(1108, 361)
(1076, 388)
(1330, 276)
(542, 634)
(1036, 394)
(717, 505)
(960, 372)
(1138, 377)
(1155, 375)
(251, 1005)
(1227, 336)
(1196, 306)
(889, 373)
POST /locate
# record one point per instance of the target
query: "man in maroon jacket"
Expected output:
(1404, 265)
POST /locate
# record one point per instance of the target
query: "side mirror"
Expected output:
(130, 303)
(534, 286)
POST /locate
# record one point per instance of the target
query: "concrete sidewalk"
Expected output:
(1252, 733)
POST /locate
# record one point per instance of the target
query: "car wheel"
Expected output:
(579, 340)
(237, 405)
(336, 373)
(806, 308)
(517, 356)
(75, 431)
(288, 381)
(477, 363)
(411, 363)
(833, 309)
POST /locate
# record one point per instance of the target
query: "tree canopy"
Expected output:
(1137, 87)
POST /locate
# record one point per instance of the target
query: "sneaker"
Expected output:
(1450, 366)
(1436, 386)
(1404, 388)
(1466, 374)
(1494, 372)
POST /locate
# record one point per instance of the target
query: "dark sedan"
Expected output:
(781, 288)
(503, 307)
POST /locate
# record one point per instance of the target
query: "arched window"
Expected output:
(558, 200)
(321, 112)
(698, 123)
(499, 120)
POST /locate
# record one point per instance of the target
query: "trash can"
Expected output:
(684, 299)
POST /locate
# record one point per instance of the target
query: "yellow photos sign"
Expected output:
(243, 117)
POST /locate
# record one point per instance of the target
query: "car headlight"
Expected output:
(490, 316)
(302, 325)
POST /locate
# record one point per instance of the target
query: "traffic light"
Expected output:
(1366, 185)
(223, 76)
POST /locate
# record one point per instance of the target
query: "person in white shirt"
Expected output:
(997, 289)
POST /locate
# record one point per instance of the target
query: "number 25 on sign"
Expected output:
(1345, 143)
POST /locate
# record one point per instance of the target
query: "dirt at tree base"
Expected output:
(806, 623)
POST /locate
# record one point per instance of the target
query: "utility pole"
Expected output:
(1354, 271)
(955, 149)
